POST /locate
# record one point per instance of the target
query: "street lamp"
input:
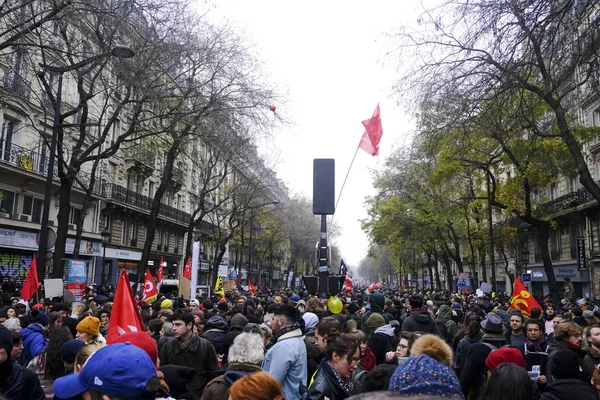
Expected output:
(105, 240)
(119, 51)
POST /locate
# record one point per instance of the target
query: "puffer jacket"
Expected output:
(34, 342)
(326, 385)
(215, 329)
(420, 321)
(218, 388)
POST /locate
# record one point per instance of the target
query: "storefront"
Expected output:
(580, 279)
(115, 260)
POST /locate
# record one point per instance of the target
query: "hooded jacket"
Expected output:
(313, 354)
(591, 359)
(463, 349)
(381, 342)
(218, 388)
(445, 317)
(568, 389)
(34, 342)
(215, 329)
(377, 302)
(420, 321)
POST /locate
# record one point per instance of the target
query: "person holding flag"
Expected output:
(150, 291)
(125, 316)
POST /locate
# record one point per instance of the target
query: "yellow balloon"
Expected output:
(334, 304)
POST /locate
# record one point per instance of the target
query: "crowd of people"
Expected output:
(289, 345)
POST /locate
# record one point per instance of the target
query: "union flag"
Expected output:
(522, 300)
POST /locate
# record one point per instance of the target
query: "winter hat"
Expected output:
(89, 325)
(310, 320)
(141, 340)
(429, 303)
(238, 321)
(353, 307)
(295, 298)
(456, 306)
(503, 355)
(38, 317)
(588, 314)
(434, 347)
(223, 306)
(566, 365)
(12, 324)
(493, 323)
(504, 316)
(375, 321)
(69, 350)
(6, 339)
(222, 300)
(423, 376)
(166, 304)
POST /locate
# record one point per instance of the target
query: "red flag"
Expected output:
(250, 287)
(125, 316)
(522, 299)
(348, 283)
(31, 284)
(187, 271)
(372, 136)
(159, 274)
(150, 290)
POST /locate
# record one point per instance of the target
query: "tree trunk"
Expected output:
(62, 230)
(482, 253)
(87, 201)
(438, 283)
(543, 236)
(430, 269)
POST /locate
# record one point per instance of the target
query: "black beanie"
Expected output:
(565, 365)
(353, 307)
(6, 339)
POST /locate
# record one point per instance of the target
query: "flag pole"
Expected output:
(345, 179)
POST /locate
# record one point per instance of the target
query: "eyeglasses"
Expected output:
(402, 346)
(351, 361)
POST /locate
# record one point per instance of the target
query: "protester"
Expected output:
(407, 339)
(120, 371)
(382, 340)
(214, 331)
(353, 317)
(68, 354)
(177, 378)
(377, 303)
(367, 360)
(434, 347)
(88, 330)
(246, 355)
(334, 377)
(508, 381)
(236, 326)
(15, 354)
(48, 364)
(424, 376)
(286, 357)
(189, 350)
(515, 336)
(258, 386)
(473, 335)
(419, 320)
(446, 325)
(535, 350)
(592, 356)
(567, 336)
(566, 378)
(34, 336)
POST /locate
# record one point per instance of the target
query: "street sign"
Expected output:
(526, 278)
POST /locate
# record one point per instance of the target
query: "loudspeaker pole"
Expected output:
(323, 259)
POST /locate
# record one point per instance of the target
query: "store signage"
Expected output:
(538, 274)
(526, 278)
(581, 262)
(565, 273)
(15, 239)
(123, 254)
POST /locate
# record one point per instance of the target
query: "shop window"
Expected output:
(7, 199)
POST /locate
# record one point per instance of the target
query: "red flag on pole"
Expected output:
(159, 274)
(125, 316)
(522, 299)
(150, 290)
(348, 282)
(373, 132)
(250, 287)
(187, 271)
(32, 283)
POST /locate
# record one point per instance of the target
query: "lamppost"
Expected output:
(105, 240)
(117, 51)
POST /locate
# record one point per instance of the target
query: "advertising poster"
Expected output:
(77, 278)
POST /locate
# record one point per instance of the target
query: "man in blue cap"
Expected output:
(121, 371)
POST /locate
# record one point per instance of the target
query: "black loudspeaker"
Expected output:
(336, 283)
(323, 186)
(311, 283)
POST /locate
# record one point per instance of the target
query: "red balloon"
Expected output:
(273, 107)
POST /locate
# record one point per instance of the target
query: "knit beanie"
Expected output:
(141, 340)
(89, 325)
(166, 304)
(238, 321)
(353, 308)
(565, 365)
(504, 355)
(69, 350)
(375, 321)
(6, 339)
(423, 376)
(38, 317)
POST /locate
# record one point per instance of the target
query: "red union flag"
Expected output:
(187, 271)
(125, 316)
(159, 274)
(31, 284)
(373, 132)
(522, 299)
(150, 290)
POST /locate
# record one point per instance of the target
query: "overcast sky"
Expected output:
(329, 57)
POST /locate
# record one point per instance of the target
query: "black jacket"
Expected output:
(472, 377)
(381, 342)
(326, 385)
(215, 330)
(568, 389)
(591, 359)
(420, 321)
(22, 384)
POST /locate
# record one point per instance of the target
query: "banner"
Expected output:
(464, 281)
(77, 278)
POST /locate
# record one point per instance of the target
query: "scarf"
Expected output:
(346, 384)
(368, 362)
(549, 317)
(475, 338)
(185, 346)
(536, 345)
(279, 334)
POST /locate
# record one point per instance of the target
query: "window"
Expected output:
(8, 130)
(74, 215)
(129, 234)
(7, 199)
(125, 227)
(38, 210)
(179, 202)
(574, 184)
(151, 190)
(116, 131)
(24, 204)
(553, 191)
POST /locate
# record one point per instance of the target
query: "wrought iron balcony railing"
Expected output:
(17, 84)
(568, 201)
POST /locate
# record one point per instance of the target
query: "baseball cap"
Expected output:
(194, 302)
(118, 370)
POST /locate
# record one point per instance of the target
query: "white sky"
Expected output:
(329, 57)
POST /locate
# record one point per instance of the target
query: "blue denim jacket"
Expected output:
(286, 361)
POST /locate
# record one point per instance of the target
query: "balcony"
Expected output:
(35, 162)
(566, 202)
(128, 198)
(143, 160)
(17, 84)
(176, 178)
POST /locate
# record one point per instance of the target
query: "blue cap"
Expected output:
(119, 370)
(295, 298)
